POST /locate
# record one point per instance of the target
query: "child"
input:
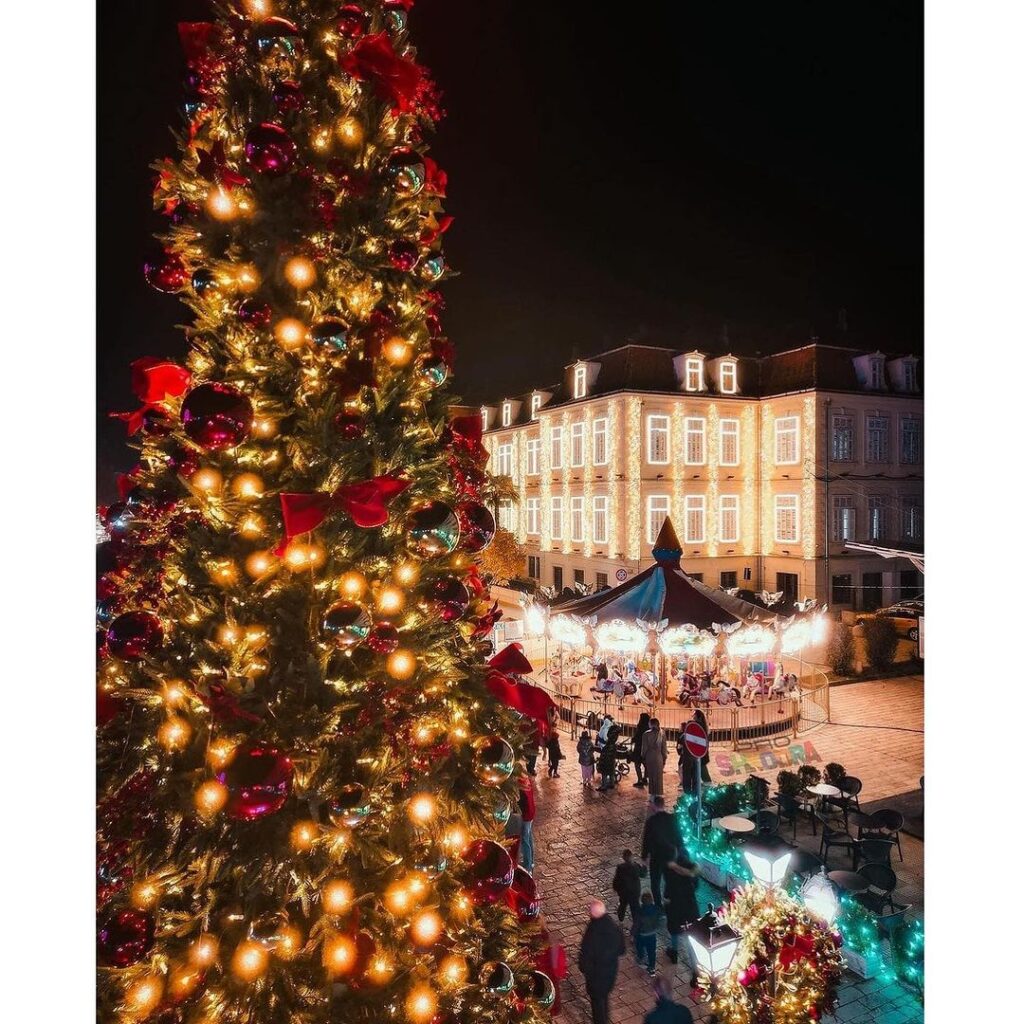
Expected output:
(554, 754)
(646, 922)
(585, 749)
(626, 884)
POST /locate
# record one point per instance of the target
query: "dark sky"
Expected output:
(648, 171)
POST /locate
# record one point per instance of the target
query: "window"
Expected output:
(485, 415)
(694, 428)
(877, 517)
(844, 517)
(876, 375)
(787, 582)
(556, 577)
(505, 459)
(694, 374)
(600, 581)
(910, 441)
(506, 414)
(871, 587)
(842, 439)
(576, 445)
(556, 447)
(533, 566)
(600, 453)
(729, 442)
(842, 588)
(693, 507)
(912, 517)
(787, 519)
(787, 441)
(876, 447)
(576, 520)
(657, 440)
(556, 518)
(600, 513)
(579, 382)
(533, 516)
(909, 375)
(579, 577)
(911, 584)
(505, 514)
(727, 377)
(532, 456)
(657, 513)
(727, 580)
(534, 406)
(729, 518)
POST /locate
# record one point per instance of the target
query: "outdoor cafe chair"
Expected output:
(788, 809)
(849, 795)
(881, 881)
(832, 834)
(874, 851)
(805, 863)
(891, 825)
(767, 823)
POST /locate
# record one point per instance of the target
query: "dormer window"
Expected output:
(877, 373)
(506, 414)
(485, 415)
(579, 381)
(534, 405)
(694, 373)
(909, 375)
(727, 377)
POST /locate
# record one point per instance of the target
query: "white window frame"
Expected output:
(728, 504)
(533, 516)
(694, 375)
(599, 517)
(733, 431)
(909, 505)
(659, 425)
(485, 415)
(878, 525)
(659, 500)
(579, 381)
(599, 454)
(844, 517)
(506, 414)
(534, 406)
(505, 515)
(694, 513)
(850, 429)
(691, 432)
(557, 453)
(576, 536)
(786, 503)
(885, 455)
(576, 445)
(532, 456)
(727, 369)
(504, 459)
(791, 430)
(556, 517)
(904, 422)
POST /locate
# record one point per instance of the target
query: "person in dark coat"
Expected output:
(687, 775)
(555, 754)
(642, 725)
(600, 948)
(585, 750)
(661, 841)
(681, 906)
(606, 766)
(626, 883)
(666, 1010)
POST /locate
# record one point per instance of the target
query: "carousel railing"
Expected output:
(815, 705)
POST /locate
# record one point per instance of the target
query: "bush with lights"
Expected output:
(303, 775)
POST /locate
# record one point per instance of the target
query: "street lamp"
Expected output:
(714, 945)
(820, 898)
(769, 860)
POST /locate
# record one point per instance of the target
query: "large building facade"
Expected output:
(767, 467)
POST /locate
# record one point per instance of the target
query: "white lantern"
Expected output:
(565, 630)
(714, 945)
(534, 620)
(768, 860)
(820, 899)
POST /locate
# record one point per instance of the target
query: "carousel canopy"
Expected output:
(665, 594)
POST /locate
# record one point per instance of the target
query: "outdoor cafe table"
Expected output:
(734, 823)
(850, 881)
(823, 789)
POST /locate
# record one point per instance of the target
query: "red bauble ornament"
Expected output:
(383, 638)
(490, 870)
(288, 96)
(108, 707)
(216, 416)
(167, 274)
(350, 425)
(183, 461)
(259, 781)
(447, 597)
(124, 937)
(254, 313)
(352, 21)
(524, 898)
(269, 149)
(476, 524)
(134, 635)
(403, 255)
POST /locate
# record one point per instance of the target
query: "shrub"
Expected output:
(809, 775)
(840, 649)
(757, 791)
(834, 773)
(881, 638)
(788, 782)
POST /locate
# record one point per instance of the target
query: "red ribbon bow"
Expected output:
(528, 700)
(511, 660)
(436, 178)
(153, 382)
(398, 80)
(801, 948)
(366, 503)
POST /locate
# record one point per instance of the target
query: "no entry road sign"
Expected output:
(695, 739)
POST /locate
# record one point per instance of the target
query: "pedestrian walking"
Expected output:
(585, 752)
(659, 845)
(555, 754)
(642, 725)
(647, 918)
(606, 766)
(666, 1010)
(654, 754)
(527, 812)
(600, 948)
(626, 883)
(681, 906)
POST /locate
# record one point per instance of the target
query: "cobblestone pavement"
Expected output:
(580, 835)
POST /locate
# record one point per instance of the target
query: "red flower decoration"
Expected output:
(437, 179)
(801, 948)
(398, 80)
(153, 381)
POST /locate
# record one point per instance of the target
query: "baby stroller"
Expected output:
(623, 759)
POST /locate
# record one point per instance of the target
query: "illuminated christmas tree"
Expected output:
(303, 776)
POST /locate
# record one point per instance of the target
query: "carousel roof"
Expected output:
(665, 593)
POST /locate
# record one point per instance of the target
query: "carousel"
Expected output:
(663, 630)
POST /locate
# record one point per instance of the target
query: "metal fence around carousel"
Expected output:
(770, 721)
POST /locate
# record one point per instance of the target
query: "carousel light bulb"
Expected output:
(143, 996)
(300, 272)
(247, 485)
(352, 584)
(397, 351)
(221, 205)
(401, 664)
(251, 525)
(207, 481)
(250, 960)
(350, 131)
(211, 797)
(290, 333)
(264, 427)
(247, 278)
(289, 942)
(339, 954)
(422, 807)
(426, 928)
(421, 1004)
(259, 563)
(407, 573)
(303, 835)
(203, 952)
(390, 600)
(219, 753)
(145, 895)
(453, 970)
(337, 896)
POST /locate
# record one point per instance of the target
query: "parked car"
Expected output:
(905, 615)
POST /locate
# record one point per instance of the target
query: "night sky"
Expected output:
(657, 172)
